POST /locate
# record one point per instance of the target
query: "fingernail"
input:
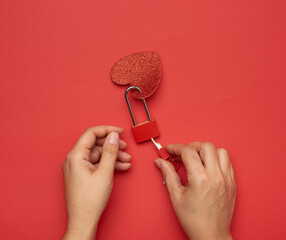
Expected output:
(125, 154)
(113, 138)
(158, 164)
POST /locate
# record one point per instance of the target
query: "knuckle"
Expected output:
(110, 150)
(223, 152)
(203, 178)
(69, 157)
(73, 157)
(89, 129)
(220, 183)
(187, 149)
(175, 196)
(193, 143)
(208, 146)
(71, 161)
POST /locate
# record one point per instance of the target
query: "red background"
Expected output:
(223, 80)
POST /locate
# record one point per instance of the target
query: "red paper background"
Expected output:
(223, 80)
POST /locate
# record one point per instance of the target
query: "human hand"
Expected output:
(204, 206)
(88, 176)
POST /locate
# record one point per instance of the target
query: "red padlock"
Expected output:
(146, 130)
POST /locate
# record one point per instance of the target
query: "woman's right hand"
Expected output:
(205, 205)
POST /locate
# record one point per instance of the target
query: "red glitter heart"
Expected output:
(141, 69)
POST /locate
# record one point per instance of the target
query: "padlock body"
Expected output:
(145, 131)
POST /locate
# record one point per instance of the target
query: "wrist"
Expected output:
(204, 237)
(80, 230)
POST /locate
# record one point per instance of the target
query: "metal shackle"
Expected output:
(129, 106)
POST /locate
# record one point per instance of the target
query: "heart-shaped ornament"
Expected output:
(141, 69)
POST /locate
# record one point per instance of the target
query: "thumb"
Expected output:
(109, 154)
(170, 175)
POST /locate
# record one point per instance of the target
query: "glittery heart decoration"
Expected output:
(141, 69)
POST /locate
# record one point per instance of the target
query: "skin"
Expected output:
(88, 175)
(204, 206)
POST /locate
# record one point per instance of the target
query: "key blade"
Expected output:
(158, 145)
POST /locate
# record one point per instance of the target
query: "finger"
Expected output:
(88, 138)
(100, 142)
(95, 155)
(97, 151)
(109, 154)
(119, 166)
(189, 157)
(170, 176)
(231, 172)
(123, 156)
(224, 162)
(208, 154)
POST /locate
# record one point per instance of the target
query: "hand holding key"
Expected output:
(205, 205)
(163, 153)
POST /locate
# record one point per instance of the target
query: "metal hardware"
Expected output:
(129, 106)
